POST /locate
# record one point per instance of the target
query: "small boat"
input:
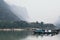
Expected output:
(46, 32)
(39, 31)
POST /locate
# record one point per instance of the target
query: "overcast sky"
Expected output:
(47, 11)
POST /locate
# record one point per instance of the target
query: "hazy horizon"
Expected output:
(39, 10)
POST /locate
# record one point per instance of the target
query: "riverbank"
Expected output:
(15, 29)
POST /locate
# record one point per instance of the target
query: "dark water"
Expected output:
(26, 35)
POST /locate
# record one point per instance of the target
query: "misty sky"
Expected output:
(39, 10)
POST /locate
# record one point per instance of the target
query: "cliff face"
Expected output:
(6, 13)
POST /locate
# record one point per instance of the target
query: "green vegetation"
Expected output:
(24, 24)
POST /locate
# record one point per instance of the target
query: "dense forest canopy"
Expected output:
(24, 24)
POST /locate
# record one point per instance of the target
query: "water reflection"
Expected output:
(13, 35)
(45, 34)
(43, 38)
(26, 35)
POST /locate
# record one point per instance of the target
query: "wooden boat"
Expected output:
(46, 31)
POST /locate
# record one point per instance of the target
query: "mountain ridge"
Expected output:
(6, 13)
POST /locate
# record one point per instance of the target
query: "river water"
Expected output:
(26, 35)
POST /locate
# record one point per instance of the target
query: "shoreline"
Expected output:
(15, 29)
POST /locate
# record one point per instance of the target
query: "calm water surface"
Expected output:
(26, 35)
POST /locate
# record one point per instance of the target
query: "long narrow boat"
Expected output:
(46, 31)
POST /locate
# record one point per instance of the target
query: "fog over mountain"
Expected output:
(21, 12)
(58, 22)
(7, 14)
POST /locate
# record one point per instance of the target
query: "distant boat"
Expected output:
(46, 31)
